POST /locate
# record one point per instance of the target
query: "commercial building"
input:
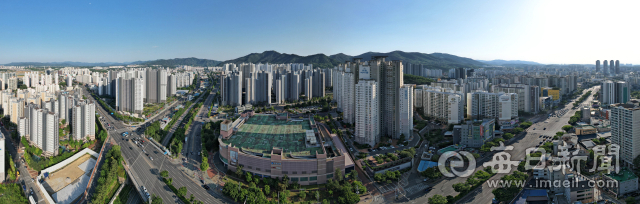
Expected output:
(627, 181)
(441, 103)
(474, 133)
(554, 93)
(84, 120)
(274, 146)
(585, 130)
(625, 131)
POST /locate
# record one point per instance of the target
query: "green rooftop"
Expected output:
(261, 133)
(623, 175)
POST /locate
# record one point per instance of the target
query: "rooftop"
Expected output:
(261, 133)
(623, 175)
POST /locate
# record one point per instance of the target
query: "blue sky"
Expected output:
(124, 31)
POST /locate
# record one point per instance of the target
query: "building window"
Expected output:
(314, 172)
(250, 167)
(304, 179)
(313, 178)
(258, 169)
(294, 178)
(285, 172)
(329, 176)
(304, 172)
(295, 172)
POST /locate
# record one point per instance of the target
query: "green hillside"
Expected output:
(273, 57)
(417, 80)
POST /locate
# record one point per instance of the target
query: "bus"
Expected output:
(31, 200)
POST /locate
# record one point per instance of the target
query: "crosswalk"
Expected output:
(416, 188)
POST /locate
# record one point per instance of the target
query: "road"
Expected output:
(24, 178)
(146, 171)
(483, 194)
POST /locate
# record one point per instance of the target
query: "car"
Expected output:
(151, 158)
(544, 129)
(205, 187)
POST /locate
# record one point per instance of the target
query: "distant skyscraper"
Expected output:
(597, 65)
(617, 66)
(605, 67)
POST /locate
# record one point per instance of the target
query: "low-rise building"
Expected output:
(585, 130)
(627, 181)
(474, 133)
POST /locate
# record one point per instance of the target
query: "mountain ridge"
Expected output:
(320, 60)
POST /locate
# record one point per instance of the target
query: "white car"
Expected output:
(151, 158)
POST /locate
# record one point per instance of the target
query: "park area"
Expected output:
(261, 133)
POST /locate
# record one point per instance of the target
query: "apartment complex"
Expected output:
(500, 106)
(528, 95)
(441, 103)
(614, 92)
(367, 127)
(84, 120)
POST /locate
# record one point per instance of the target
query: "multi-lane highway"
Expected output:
(145, 169)
(532, 137)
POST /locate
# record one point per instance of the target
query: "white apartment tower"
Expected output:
(441, 103)
(625, 131)
(405, 113)
(367, 113)
(84, 120)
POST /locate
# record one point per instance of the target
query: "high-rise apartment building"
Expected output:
(231, 88)
(13, 83)
(614, 92)
(441, 103)
(41, 129)
(528, 95)
(625, 131)
(498, 106)
(130, 97)
(597, 65)
(156, 85)
(2, 158)
(84, 120)
(405, 110)
(617, 66)
(367, 129)
(171, 85)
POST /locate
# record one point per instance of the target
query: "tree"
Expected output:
(566, 128)
(248, 177)
(239, 171)
(169, 181)
(630, 200)
(182, 191)
(164, 174)
(155, 199)
(461, 187)
(437, 199)
(318, 195)
(338, 174)
(267, 189)
(303, 195)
